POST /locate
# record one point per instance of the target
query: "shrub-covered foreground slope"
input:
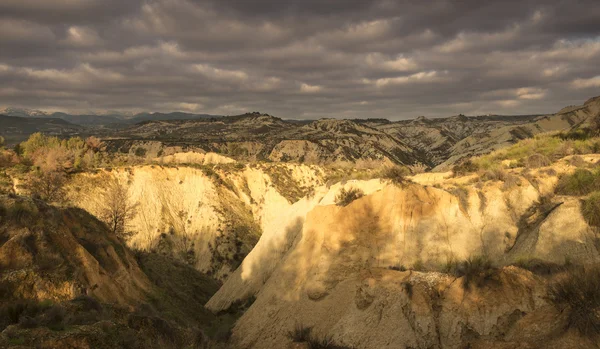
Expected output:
(66, 281)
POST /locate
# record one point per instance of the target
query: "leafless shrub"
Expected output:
(49, 186)
(115, 209)
(345, 197)
(395, 174)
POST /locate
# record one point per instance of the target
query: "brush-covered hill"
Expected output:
(66, 281)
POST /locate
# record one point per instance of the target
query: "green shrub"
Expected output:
(28, 322)
(141, 152)
(16, 312)
(87, 303)
(496, 173)
(581, 182)
(408, 288)
(590, 209)
(578, 293)
(476, 270)
(54, 318)
(418, 265)
(537, 160)
(345, 197)
(303, 334)
(395, 174)
(464, 168)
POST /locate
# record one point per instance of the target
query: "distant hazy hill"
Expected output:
(16, 129)
(109, 119)
(165, 116)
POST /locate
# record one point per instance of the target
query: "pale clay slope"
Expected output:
(279, 232)
(332, 274)
(184, 200)
(327, 265)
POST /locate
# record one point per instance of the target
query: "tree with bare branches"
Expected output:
(48, 186)
(115, 209)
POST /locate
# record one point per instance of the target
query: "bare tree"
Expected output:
(115, 209)
(47, 185)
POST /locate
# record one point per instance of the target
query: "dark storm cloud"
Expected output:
(302, 59)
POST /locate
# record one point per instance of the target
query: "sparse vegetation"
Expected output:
(304, 334)
(476, 270)
(300, 333)
(577, 161)
(578, 293)
(539, 150)
(345, 197)
(464, 167)
(140, 152)
(495, 173)
(419, 265)
(395, 174)
(581, 182)
(537, 160)
(590, 209)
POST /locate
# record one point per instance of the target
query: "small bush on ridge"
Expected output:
(345, 197)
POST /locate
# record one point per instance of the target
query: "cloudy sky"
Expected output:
(300, 58)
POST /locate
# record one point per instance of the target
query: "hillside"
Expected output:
(17, 129)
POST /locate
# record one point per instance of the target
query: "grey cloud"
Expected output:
(302, 59)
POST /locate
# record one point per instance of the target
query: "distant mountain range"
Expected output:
(435, 143)
(107, 119)
(16, 129)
